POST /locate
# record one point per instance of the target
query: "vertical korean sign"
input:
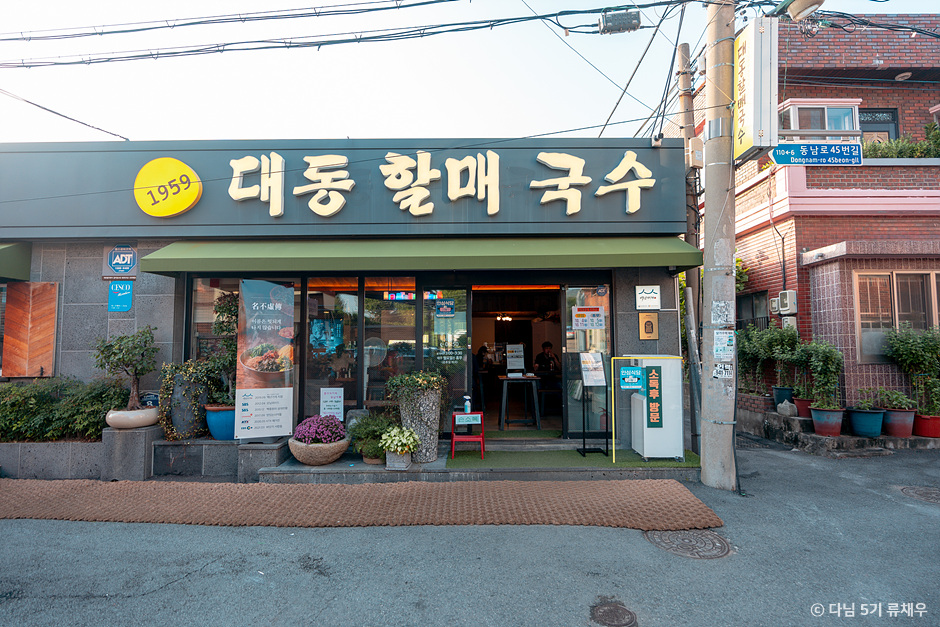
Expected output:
(654, 404)
(264, 394)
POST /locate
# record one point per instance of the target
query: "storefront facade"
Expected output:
(400, 255)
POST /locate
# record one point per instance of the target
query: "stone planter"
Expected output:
(394, 461)
(317, 454)
(185, 421)
(133, 419)
(421, 411)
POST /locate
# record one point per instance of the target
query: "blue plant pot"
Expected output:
(866, 423)
(827, 422)
(221, 422)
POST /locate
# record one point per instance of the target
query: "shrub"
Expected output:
(320, 430)
(57, 408)
(367, 431)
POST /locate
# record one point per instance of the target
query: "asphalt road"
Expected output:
(810, 531)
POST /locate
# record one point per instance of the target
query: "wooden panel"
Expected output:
(30, 329)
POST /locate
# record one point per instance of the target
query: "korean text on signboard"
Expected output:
(654, 404)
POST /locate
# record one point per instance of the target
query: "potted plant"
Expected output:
(927, 419)
(184, 391)
(899, 412)
(399, 443)
(319, 440)
(802, 382)
(865, 417)
(366, 435)
(220, 411)
(781, 346)
(131, 356)
(825, 362)
(419, 400)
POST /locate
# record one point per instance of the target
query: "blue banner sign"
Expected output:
(817, 154)
(120, 295)
(632, 378)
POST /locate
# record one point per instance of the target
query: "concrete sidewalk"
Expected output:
(811, 531)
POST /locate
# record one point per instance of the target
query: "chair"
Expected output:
(459, 419)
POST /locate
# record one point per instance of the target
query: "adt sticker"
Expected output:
(120, 295)
(122, 258)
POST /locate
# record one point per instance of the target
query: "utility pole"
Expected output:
(718, 384)
(693, 293)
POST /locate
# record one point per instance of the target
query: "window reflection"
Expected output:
(389, 342)
(332, 340)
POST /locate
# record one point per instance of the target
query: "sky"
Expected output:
(517, 80)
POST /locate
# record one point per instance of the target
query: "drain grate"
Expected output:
(612, 613)
(700, 544)
(922, 493)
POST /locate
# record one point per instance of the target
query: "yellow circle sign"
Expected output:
(167, 187)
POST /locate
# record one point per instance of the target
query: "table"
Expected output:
(534, 383)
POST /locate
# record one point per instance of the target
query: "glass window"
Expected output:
(586, 407)
(878, 125)
(912, 300)
(446, 341)
(785, 119)
(389, 342)
(205, 291)
(811, 117)
(332, 333)
(875, 315)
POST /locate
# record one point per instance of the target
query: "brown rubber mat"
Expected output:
(652, 504)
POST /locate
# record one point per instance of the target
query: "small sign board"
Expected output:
(515, 357)
(632, 378)
(119, 263)
(587, 318)
(444, 307)
(648, 297)
(120, 295)
(474, 418)
(150, 399)
(592, 370)
(331, 402)
(818, 153)
(649, 325)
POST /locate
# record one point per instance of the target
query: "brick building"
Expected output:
(860, 245)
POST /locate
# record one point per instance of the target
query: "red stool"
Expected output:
(462, 419)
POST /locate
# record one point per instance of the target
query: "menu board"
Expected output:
(515, 357)
(592, 370)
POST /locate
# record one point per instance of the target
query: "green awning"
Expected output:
(412, 255)
(15, 260)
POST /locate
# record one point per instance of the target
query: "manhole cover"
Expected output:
(701, 544)
(922, 493)
(613, 614)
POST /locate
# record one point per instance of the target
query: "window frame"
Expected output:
(793, 105)
(932, 312)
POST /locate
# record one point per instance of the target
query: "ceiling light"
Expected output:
(903, 76)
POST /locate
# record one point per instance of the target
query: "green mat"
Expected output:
(523, 433)
(563, 459)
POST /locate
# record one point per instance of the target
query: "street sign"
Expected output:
(817, 153)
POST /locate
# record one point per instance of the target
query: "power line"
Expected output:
(308, 41)
(672, 64)
(61, 115)
(254, 16)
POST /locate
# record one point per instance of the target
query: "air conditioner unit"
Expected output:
(786, 301)
(774, 305)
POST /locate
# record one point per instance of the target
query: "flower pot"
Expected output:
(395, 461)
(827, 422)
(899, 423)
(221, 421)
(782, 394)
(317, 454)
(802, 407)
(133, 419)
(927, 426)
(421, 410)
(866, 423)
(372, 460)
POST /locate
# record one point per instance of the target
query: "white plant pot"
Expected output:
(394, 461)
(134, 419)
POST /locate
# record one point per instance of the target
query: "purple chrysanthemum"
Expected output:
(320, 429)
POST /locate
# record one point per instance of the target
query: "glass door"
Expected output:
(587, 330)
(446, 340)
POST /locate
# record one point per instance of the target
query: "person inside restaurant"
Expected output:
(547, 361)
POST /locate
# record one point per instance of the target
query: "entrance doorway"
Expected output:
(510, 325)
